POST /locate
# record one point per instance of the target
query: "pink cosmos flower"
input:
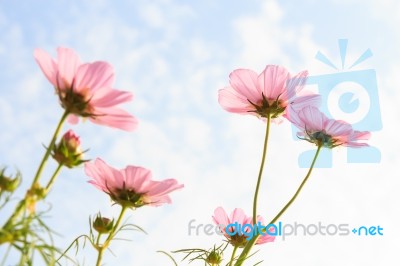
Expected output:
(132, 186)
(240, 227)
(85, 89)
(317, 128)
(268, 93)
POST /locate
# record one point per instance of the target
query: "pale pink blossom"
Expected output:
(267, 94)
(239, 219)
(85, 89)
(317, 128)
(132, 186)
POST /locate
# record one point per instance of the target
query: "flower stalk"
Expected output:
(252, 242)
(233, 255)
(49, 148)
(35, 183)
(52, 179)
(104, 246)
(264, 154)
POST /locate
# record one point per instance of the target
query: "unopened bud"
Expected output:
(9, 184)
(68, 151)
(214, 257)
(103, 225)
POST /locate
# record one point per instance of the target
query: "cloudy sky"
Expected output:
(174, 56)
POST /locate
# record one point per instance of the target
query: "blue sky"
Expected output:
(174, 56)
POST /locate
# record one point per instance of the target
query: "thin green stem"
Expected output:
(98, 239)
(21, 205)
(27, 248)
(233, 255)
(101, 248)
(260, 172)
(49, 148)
(52, 179)
(299, 189)
(112, 233)
(252, 242)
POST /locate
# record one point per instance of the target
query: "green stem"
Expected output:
(252, 242)
(98, 239)
(52, 179)
(260, 172)
(101, 248)
(28, 247)
(299, 189)
(99, 256)
(22, 203)
(49, 148)
(233, 255)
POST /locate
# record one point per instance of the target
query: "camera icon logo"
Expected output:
(349, 95)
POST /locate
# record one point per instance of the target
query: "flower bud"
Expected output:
(103, 225)
(68, 151)
(9, 184)
(214, 257)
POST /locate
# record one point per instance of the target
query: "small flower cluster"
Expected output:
(272, 95)
(275, 93)
(85, 90)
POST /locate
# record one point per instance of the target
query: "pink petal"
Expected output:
(138, 178)
(238, 215)
(293, 116)
(264, 239)
(232, 101)
(93, 76)
(73, 119)
(107, 97)
(47, 64)
(355, 144)
(68, 63)
(361, 135)
(244, 82)
(296, 84)
(338, 128)
(161, 188)
(102, 173)
(356, 136)
(97, 179)
(114, 117)
(273, 82)
(313, 118)
(301, 102)
(220, 217)
(112, 177)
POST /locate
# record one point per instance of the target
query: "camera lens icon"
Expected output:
(351, 96)
(349, 101)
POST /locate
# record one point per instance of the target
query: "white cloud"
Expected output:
(266, 38)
